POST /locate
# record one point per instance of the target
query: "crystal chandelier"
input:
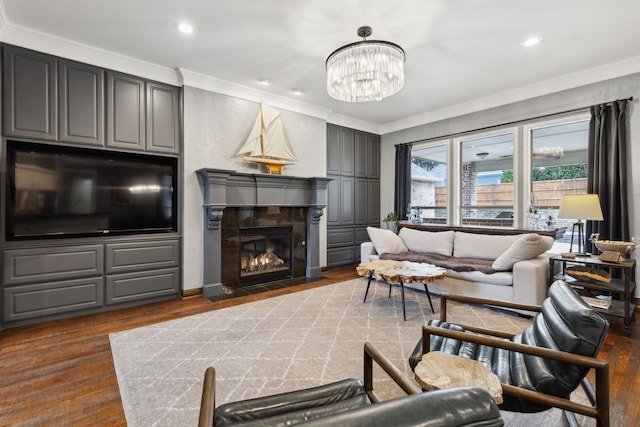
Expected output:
(368, 70)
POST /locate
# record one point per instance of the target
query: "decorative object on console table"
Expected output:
(581, 206)
(623, 248)
(623, 289)
(610, 256)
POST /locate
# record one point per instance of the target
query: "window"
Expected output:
(559, 157)
(429, 187)
(487, 181)
(510, 177)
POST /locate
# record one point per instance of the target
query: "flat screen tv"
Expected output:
(55, 191)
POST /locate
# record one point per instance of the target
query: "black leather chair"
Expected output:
(352, 403)
(543, 365)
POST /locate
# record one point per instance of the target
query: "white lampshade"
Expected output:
(581, 206)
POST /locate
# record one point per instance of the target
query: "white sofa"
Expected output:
(520, 262)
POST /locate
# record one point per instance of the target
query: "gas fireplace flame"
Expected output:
(261, 262)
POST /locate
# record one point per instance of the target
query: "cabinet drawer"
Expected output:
(339, 256)
(125, 257)
(51, 264)
(339, 237)
(146, 284)
(44, 299)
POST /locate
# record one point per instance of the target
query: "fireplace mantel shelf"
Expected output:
(229, 188)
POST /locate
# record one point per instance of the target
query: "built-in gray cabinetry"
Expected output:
(353, 164)
(59, 102)
(42, 283)
(55, 99)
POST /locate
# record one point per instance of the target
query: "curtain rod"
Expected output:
(544, 116)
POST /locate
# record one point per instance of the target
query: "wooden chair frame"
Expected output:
(599, 398)
(371, 355)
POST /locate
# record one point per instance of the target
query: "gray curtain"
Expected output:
(607, 176)
(402, 194)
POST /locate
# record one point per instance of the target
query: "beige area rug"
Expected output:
(280, 344)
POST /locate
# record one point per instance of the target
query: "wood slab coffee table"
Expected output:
(399, 273)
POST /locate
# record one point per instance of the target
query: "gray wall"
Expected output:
(584, 96)
(215, 127)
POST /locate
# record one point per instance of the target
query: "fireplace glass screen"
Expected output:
(265, 254)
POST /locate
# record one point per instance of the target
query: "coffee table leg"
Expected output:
(367, 291)
(404, 311)
(426, 289)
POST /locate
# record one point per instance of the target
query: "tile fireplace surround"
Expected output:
(223, 189)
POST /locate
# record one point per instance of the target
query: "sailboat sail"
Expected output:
(268, 138)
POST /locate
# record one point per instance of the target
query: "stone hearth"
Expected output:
(236, 194)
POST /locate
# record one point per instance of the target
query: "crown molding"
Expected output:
(223, 87)
(43, 42)
(569, 81)
(350, 122)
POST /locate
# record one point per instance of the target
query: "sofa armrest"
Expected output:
(531, 280)
(366, 250)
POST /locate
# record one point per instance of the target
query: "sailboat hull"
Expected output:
(274, 166)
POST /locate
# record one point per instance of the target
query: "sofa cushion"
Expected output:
(440, 242)
(527, 246)
(386, 241)
(502, 278)
(485, 246)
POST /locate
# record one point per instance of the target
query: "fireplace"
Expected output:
(237, 203)
(266, 254)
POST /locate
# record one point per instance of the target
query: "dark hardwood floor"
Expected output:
(61, 373)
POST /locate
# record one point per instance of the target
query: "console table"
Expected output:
(623, 287)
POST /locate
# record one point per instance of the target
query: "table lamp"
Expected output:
(582, 206)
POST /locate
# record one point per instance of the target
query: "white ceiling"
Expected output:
(461, 55)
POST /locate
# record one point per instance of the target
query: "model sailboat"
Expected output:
(268, 143)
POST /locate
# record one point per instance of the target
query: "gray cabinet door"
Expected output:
(333, 201)
(373, 202)
(163, 133)
(373, 168)
(125, 112)
(347, 151)
(361, 206)
(347, 204)
(361, 154)
(81, 95)
(333, 150)
(29, 86)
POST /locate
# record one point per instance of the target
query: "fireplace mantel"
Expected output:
(226, 188)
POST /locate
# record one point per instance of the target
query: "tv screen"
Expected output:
(64, 192)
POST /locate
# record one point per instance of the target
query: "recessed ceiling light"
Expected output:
(531, 41)
(297, 91)
(185, 28)
(264, 82)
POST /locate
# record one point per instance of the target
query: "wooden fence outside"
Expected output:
(546, 194)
